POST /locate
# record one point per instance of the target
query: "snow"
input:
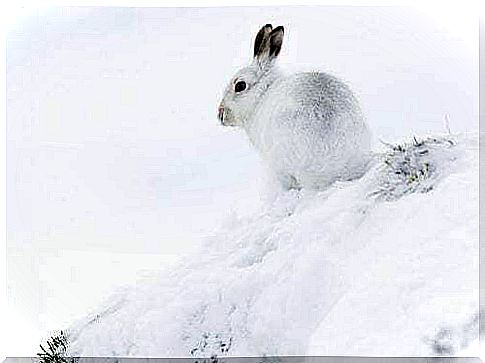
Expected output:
(343, 271)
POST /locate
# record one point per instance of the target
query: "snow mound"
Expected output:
(383, 265)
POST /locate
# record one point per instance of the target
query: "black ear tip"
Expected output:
(268, 26)
(279, 29)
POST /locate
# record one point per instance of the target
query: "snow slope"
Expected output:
(383, 265)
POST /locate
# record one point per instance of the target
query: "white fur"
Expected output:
(307, 126)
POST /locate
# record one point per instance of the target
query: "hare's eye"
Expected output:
(240, 86)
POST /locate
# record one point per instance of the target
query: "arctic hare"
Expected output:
(307, 126)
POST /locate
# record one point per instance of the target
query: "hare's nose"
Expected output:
(220, 113)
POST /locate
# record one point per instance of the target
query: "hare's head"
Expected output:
(248, 85)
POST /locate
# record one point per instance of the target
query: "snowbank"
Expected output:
(383, 265)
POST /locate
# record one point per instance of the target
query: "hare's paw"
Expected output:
(288, 181)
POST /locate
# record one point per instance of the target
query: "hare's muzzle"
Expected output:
(220, 114)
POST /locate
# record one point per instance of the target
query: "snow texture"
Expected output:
(383, 265)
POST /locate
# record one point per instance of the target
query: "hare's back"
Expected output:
(316, 92)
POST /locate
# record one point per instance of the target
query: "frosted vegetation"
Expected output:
(383, 265)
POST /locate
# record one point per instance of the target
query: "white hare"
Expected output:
(307, 126)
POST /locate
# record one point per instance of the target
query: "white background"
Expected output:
(115, 159)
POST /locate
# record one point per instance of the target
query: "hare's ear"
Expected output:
(261, 43)
(276, 41)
